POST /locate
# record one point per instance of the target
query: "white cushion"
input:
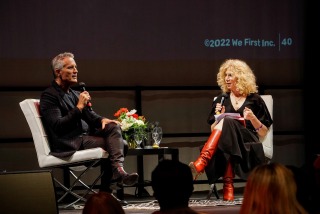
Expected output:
(267, 141)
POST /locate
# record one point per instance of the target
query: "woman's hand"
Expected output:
(219, 109)
(248, 114)
(261, 129)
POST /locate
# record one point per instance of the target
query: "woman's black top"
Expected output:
(238, 142)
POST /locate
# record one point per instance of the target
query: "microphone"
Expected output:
(82, 86)
(224, 96)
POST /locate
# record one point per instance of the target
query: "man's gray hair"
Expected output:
(57, 62)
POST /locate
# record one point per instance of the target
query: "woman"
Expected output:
(271, 188)
(233, 146)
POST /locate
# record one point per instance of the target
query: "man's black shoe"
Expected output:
(130, 179)
(120, 177)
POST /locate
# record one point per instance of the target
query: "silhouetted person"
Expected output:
(271, 188)
(172, 184)
(102, 203)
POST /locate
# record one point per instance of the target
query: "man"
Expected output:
(72, 125)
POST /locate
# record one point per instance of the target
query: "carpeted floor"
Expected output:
(208, 206)
(198, 202)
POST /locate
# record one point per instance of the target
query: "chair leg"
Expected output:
(68, 191)
(89, 188)
(78, 180)
(213, 189)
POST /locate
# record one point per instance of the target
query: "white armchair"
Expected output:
(267, 141)
(89, 157)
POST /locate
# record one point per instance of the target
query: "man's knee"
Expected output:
(113, 127)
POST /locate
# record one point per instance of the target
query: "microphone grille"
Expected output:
(82, 84)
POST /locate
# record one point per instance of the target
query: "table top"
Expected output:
(161, 150)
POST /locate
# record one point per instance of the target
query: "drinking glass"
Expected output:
(138, 137)
(157, 136)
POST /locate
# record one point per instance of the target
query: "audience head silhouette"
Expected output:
(172, 183)
(102, 203)
(271, 188)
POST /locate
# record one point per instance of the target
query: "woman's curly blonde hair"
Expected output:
(245, 79)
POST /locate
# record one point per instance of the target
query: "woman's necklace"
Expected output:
(237, 100)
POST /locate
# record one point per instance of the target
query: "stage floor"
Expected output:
(198, 201)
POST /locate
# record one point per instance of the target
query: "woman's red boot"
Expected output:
(228, 188)
(206, 154)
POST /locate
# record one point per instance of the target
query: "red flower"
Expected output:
(120, 111)
(135, 116)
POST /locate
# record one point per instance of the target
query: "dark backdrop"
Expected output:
(151, 42)
(168, 51)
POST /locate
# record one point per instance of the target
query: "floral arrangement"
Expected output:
(131, 122)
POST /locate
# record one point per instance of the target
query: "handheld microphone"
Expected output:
(82, 86)
(224, 96)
